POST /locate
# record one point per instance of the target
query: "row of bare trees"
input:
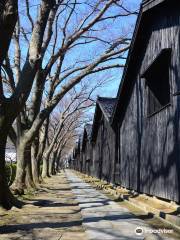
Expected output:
(56, 46)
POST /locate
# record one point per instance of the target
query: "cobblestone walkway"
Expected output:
(103, 218)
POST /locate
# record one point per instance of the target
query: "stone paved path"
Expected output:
(105, 219)
(66, 208)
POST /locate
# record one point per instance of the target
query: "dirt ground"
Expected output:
(51, 213)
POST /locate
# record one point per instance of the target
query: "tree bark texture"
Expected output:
(23, 177)
(45, 168)
(35, 163)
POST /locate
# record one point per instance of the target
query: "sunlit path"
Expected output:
(66, 208)
(104, 218)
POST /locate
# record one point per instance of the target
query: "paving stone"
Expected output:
(103, 218)
(66, 208)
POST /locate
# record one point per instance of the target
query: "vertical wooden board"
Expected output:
(159, 158)
(149, 147)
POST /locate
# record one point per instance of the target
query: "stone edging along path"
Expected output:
(106, 219)
(167, 212)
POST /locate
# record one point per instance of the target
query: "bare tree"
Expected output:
(71, 118)
(11, 106)
(72, 31)
(8, 17)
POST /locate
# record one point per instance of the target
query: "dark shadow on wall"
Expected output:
(164, 176)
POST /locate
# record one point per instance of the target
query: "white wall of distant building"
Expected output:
(10, 157)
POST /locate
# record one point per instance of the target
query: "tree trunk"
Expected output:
(45, 169)
(46, 162)
(37, 167)
(35, 170)
(19, 183)
(57, 163)
(50, 148)
(9, 109)
(34, 162)
(58, 157)
(54, 156)
(8, 18)
(7, 200)
(42, 144)
(29, 177)
(50, 166)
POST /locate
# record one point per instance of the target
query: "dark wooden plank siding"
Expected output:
(149, 147)
(97, 154)
(86, 158)
(104, 152)
(108, 152)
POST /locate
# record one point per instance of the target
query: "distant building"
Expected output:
(10, 155)
(86, 149)
(103, 140)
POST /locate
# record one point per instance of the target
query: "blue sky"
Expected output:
(110, 90)
(118, 27)
(91, 51)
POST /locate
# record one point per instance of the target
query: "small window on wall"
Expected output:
(157, 83)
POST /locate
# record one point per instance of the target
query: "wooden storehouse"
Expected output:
(103, 139)
(86, 149)
(147, 113)
(77, 156)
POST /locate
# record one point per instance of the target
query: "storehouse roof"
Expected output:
(107, 106)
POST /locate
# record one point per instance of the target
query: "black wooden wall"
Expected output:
(86, 155)
(104, 152)
(148, 155)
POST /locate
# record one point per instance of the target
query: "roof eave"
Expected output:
(148, 4)
(94, 121)
(127, 63)
(102, 109)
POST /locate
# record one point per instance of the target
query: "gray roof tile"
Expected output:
(107, 105)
